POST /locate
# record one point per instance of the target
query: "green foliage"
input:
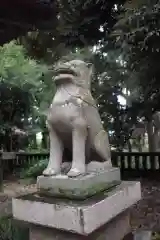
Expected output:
(80, 21)
(137, 33)
(79, 24)
(25, 92)
(10, 231)
(17, 69)
(34, 170)
(82, 24)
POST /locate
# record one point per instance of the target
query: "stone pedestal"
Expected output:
(114, 230)
(93, 182)
(82, 219)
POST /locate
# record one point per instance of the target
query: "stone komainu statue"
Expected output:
(75, 127)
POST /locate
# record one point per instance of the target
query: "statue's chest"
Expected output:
(65, 93)
(66, 106)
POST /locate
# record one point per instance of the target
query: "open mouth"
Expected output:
(64, 71)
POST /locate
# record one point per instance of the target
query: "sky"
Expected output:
(122, 100)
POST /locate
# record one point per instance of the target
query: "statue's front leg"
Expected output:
(79, 136)
(56, 154)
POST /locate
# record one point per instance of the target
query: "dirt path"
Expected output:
(12, 189)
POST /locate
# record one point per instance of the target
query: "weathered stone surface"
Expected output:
(80, 187)
(115, 229)
(82, 217)
(75, 128)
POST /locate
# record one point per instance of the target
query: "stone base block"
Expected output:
(80, 187)
(81, 217)
(116, 229)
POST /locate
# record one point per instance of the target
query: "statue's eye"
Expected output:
(89, 65)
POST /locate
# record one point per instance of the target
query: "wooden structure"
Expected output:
(132, 165)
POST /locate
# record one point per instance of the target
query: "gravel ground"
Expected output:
(146, 213)
(12, 189)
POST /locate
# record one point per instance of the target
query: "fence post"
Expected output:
(143, 235)
(1, 172)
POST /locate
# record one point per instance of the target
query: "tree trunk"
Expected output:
(140, 149)
(34, 141)
(7, 140)
(129, 146)
(44, 140)
(11, 141)
(151, 140)
(1, 173)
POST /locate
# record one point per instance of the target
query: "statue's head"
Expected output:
(75, 71)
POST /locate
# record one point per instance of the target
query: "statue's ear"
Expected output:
(90, 67)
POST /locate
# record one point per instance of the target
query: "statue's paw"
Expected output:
(50, 172)
(75, 172)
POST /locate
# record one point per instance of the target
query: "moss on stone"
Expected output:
(78, 193)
